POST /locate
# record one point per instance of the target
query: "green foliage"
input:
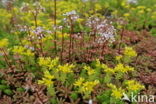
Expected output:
(61, 48)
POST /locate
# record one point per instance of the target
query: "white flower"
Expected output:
(104, 28)
(73, 12)
(132, 1)
(90, 101)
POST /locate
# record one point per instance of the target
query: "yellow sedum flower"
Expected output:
(67, 68)
(48, 75)
(107, 69)
(133, 85)
(110, 85)
(118, 58)
(49, 37)
(22, 51)
(117, 93)
(90, 71)
(130, 52)
(45, 82)
(88, 86)
(62, 35)
(126, 15)
(4, 43)
(79, 82)
(98, 7)
(141, 7)
(121, 68)
(118, 68)
(48, 62)
(47, 79)
(44, 61)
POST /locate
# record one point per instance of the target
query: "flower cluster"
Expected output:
(47, 79)
(4, 43)
(22, 51)
(116, 92)
(67, 68)
(89, 70)
(124, 69)
(72, 15)
(85, 86)
(130, 52)
(108, 69)
(102, 27)
(48, 62)
(88, 86)
(133, 85)
(119, 68)
(40, 33)
(79, 82)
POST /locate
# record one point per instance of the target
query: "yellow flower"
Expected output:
(126, 15)
(121, 68)
(48, 62)
(22, 51)
(18, 49)
(89, 70)
(28, 53)
(118, 58)
(128, 68)
(141, 11)
(26, 42)
(66, 68)
(107, 69)
(97, 7)
(149, 9)
(44, 61)
(117, 93)
(133, 85)
(53, 63)
(79, 82)
(4, 43)
(49, 37)
(130, 52)
(110, 85)
(80, 20)
(141, 7)
(47, 79)
(88, 86)
(45, 82)
(123, 4)
(60, 35)
(48, 75)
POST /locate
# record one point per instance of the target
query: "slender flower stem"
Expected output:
(62, 47)
(71, 38)
(35, 18)
(121, 38)
(55, 17)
